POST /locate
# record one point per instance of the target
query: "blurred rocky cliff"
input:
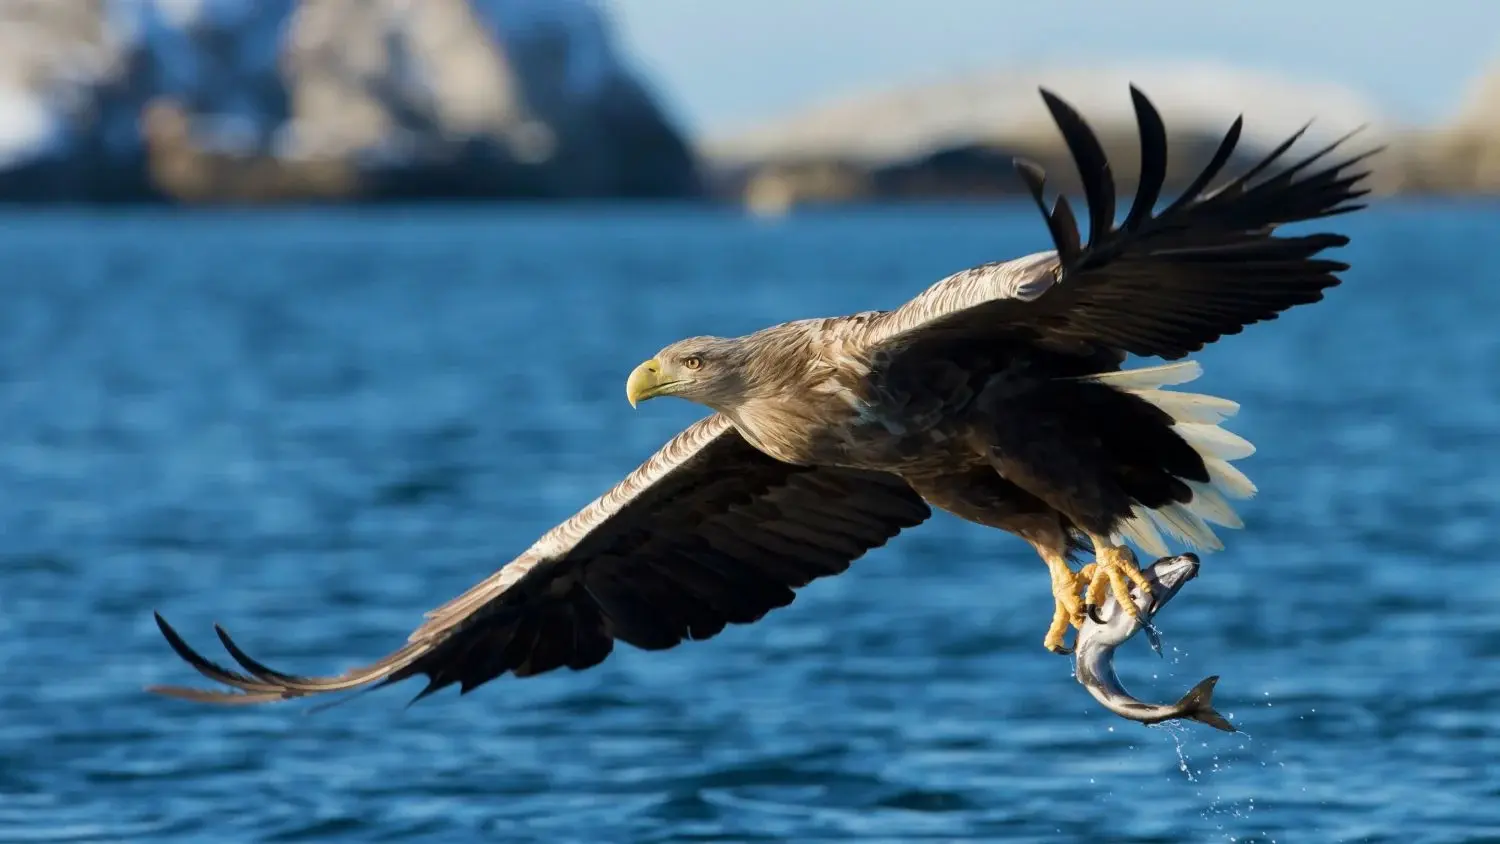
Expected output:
(1460, 156)
(957, 140)
(297, 100)
(265, 101)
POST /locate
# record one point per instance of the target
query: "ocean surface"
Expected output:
(313, 427)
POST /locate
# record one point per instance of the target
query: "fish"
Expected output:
(1110, 627)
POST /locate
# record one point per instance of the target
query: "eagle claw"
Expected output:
(1115, 571)
(1092, 611)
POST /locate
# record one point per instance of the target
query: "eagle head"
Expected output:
(704, 370)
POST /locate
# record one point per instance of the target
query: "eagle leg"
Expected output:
(1093, 594)
(1114, 566)
(1084, 579)
(1068, 605)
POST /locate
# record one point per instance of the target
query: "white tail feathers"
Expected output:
(1150, 377)
(1196, 419)
(1141, 530)
(1191, 407)
(1209, 503)
(1213, 441)
(1231, 481)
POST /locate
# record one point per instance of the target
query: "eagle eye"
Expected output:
(692, 362)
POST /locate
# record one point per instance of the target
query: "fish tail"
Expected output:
(1198, 705)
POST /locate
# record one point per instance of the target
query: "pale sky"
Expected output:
(723, 64)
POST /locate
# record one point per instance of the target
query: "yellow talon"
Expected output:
(1084, 579)
(1058, 631)
(1067, 604)
(1093, 591)
(1117, 569)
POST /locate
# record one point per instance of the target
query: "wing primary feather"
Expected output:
(483, 659)
(1092, 163)
(591, 645)
(1315, 157)
(254, 666)
(206, 667)
(1359, 158)
(1317, 189)
(1221, 157)
(523, 643)
(432, 688)
(553, 648)
(1065, 225)
(1345, 209)
(1036, 182)
(1287, 175)
(1271, 158)
(1153, 175)
(352, 695)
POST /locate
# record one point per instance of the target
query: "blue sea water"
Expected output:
(314, 426)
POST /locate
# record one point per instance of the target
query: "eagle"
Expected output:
(999, 395)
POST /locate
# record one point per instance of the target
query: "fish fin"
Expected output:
(1198, 705)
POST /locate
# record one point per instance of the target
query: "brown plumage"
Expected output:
(676, 550)
(997, 395)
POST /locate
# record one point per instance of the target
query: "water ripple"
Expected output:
(315, 438)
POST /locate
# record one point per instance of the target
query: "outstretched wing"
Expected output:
(1160, 284)
(707, 532)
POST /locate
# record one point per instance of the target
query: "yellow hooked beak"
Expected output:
(644, 382)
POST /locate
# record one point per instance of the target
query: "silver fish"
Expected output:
(1099, 638)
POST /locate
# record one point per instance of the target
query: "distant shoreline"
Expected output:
(543, 107)
(638, 207)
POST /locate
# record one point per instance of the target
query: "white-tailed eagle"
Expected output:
(997, 395)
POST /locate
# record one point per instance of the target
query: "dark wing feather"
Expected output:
(1160, 284)
(706, 533)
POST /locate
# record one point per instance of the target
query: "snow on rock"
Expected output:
(29, 128)
(218, 57)
(52, 52)
(496, 97)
